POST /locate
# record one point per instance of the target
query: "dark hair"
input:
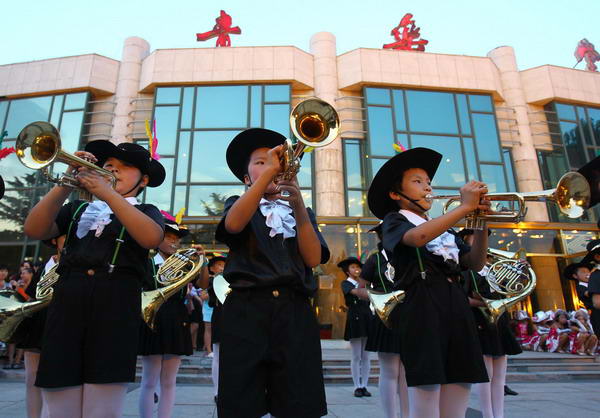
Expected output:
(397, 185)
(27, 269)
(3, 266)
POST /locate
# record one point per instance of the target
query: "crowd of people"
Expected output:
(434, 345)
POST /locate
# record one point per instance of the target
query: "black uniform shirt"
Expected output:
(91, 252)
(374, 271)
(581, 289)
(404, 258)
(257, 260)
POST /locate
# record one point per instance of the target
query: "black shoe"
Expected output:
(366, 392)
(509, 391)
(155, 397)
(358, 393)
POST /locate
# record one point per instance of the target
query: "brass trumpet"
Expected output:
(315, 123)
(175, 273)
(384, 303)
(572, 195)
(38, 145)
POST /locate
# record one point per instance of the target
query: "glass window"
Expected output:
(183, 157)
(70, 130)
(553, 165)
(187, 108)
(167, 119)
(209, 200)
(398, 96)
(305, 173)
(508, 163)
(356, 202)
(25, 111)
(221, 107)
(161, 196)
(57, 110)
(463, 114)
(493, 176)
(307, 197)
(430, 111)
(376, 164)
(277, 118)
(471, 159)
(451, 172)
(378, 96)
(76, 101)
(256, 107)
(573, 144)
(353, 172)
(565, 111)
(486, 135)
(168, 95)
(402, 139)
(179, 200)
(480, 103)
(277, 93)
(594, 118)
(208, 157)
(3, 108)
(381, 131)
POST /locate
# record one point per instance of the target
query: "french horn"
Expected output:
(175, 273)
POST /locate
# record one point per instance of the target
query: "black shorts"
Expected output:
(92, 330)
(270, 356)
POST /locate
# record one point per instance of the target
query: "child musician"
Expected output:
(497, 340)
(161, 349)
(270, 352)
(358, 321)
(384, 341)
(216, 265)
(438, 338)
(91, 335)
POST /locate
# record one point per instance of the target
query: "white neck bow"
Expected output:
(96, 216)
(278, 214)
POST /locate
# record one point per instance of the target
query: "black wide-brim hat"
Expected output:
(175, 228)
(571, 269)
(591, 172)
(378, 197)
(245, 143)
(133, 154)
(347, 261)
(216, 258)
(593, 248)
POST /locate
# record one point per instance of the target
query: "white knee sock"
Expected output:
(215, 368)
(365, 363)
(498, 381)
(168, 378)
(103, 400)
(424, 401)
(389, 365)
(151, 366)
(454, 400)
(64, 402)
(356, 345)
(33, 394)
(484, 390)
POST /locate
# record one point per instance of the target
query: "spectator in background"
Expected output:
(4, 277)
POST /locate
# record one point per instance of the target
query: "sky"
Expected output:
(541, 32)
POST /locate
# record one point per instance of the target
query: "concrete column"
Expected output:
(528, 174)
(329, 178)
(134, 51)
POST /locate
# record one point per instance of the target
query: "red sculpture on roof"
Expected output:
(585, 50)
(408, 40)
(221, 31)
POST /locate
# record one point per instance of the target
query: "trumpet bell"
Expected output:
(384, 303)
(315, 123)
(38, 145)
(13, 312)
(572, 194)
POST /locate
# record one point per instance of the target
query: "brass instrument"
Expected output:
(13, 311)
(174, 274)
(384, 303)
(221, 288)
(572, 195)
(38, 145)
(315, 123)
(509, 276)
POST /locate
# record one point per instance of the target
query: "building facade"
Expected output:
(516, 130)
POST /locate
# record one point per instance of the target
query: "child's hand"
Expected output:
(294, 195)
(273, 162)
(94, 183)
(471, 195)
(199, 249)
(88, 156)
